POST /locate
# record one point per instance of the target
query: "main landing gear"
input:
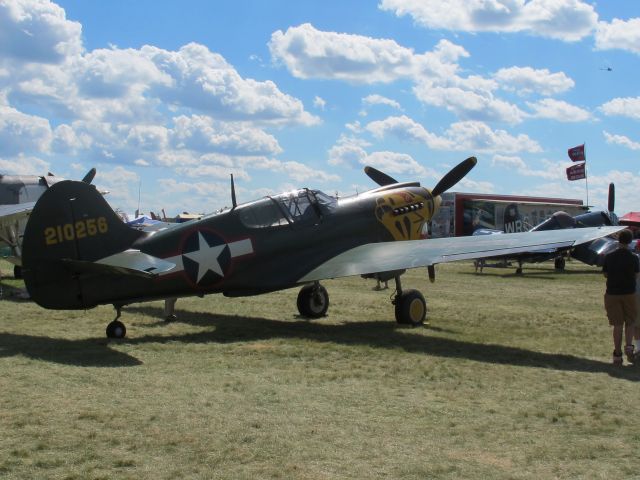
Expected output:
(410, 305)
(313, 301)
(116, 328)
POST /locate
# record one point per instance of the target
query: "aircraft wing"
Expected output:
(9, 214)
(389, 256)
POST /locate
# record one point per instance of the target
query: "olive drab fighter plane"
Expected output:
(77, 253)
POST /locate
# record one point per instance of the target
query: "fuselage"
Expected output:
(268, 244)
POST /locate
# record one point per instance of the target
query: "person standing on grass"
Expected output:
(621, 267)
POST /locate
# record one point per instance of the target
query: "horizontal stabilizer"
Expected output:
(129, 262)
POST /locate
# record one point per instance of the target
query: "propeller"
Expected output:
(379, 177)
(612, 198)
(456, 174)
(88, 178)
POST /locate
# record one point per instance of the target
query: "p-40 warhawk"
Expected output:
(77, 253)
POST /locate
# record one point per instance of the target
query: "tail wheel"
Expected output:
(313, 301)
(116, 329)
(411, 308)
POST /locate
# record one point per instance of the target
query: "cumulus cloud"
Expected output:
(619, 34)
(203, 134)
(468, 104)
(550, 170)
(350, 151)
(621, 140)
(526, 80)
(37, 32)
(461, 136)
(625, 107)
(376, 99)
(20, 132)
(558, 110)
(23, 165)
(311, 53)
(568, 20)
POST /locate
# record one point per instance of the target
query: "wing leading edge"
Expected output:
(388, 256)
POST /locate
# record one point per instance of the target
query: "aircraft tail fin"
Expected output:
(70, 223)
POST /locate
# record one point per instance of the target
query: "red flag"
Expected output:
(576, 154)
(576, 172)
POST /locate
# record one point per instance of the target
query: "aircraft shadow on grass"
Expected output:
(96, 352)
(230, 328)
(82, 353)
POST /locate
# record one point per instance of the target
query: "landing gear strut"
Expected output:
(411, 307)
(116, 328)
(313, 301)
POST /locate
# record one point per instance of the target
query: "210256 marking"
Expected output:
(68, 232)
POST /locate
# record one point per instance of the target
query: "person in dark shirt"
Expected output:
(621, 267)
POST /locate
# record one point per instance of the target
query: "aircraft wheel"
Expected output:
(519, 271)
(411, 308)
(313, 301)
(17, 272)
(559, 263)
(116, 329)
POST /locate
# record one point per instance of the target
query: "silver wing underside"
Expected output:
(388, 256)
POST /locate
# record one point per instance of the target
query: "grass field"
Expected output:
(511, 380)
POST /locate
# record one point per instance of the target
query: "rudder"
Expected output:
(70, 221)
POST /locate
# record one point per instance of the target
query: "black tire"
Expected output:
(313, 301)
(116, 329)
(17, 272)
(559, 263)
(411, 308)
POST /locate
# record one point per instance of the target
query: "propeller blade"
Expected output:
(380, 178)
(612, 197)
(456, 174)
(88, 178)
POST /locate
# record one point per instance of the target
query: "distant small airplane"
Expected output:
(18, 196)
(591, 253)
(608, 69)
(77, 253)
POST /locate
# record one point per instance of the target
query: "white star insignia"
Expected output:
(206, 257)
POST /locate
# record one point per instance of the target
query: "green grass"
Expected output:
(511, 380)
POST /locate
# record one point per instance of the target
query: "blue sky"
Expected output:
(172, 97)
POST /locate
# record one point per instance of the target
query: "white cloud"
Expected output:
(23, 165)
(310, 53)
(625, 107)
(204, 81)
(202, 134)
(478, 136)
(461, 136)
(621, 140)
(568, 20)
(37, 31)
(558, 110)
(22, 133)
(319, 102)
(526, 80)
(619, 34)
(380, 100)
(508, 162)
(469, 105)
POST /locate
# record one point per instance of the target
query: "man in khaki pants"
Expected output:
(621, 267)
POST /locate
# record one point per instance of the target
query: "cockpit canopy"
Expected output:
(298, 207)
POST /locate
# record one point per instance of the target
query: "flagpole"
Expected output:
(586, 176)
